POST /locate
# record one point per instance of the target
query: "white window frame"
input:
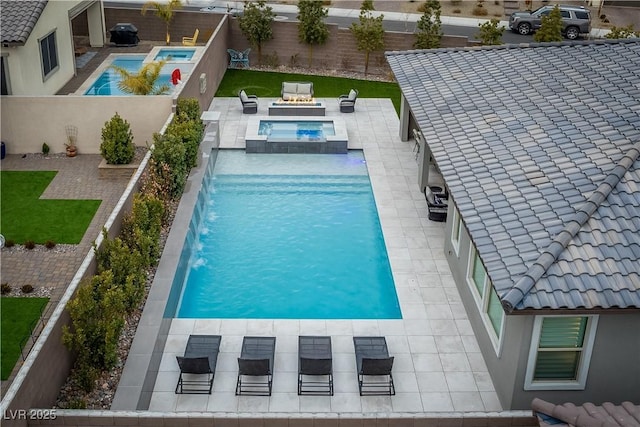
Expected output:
(456, 231)
(585, 360)
(482, 301)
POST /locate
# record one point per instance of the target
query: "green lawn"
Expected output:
(18, 317)
(25, 217)
(268, 84)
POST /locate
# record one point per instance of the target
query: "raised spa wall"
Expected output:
(332, 144)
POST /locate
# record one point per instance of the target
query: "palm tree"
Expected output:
(163, 11)
(144, 82)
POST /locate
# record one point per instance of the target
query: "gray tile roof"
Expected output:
(539, 148)
(18, 19)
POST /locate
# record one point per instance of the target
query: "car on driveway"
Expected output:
(576, 20)
(230, 8)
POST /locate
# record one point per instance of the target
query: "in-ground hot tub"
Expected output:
(320, 135)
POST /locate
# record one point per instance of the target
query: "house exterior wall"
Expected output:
(614, 368)
(25, 62)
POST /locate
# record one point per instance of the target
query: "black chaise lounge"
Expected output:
(315, 366)
(255, 366)
(249, 102)
(373, 361)
(200, 358)
(348, 102)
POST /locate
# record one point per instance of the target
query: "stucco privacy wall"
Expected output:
(29, 121)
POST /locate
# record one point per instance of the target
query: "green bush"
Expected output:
(622, 32)
(117, 146)
(169, 150)
(190, 133)
(45, 149)
(127, 268)
(142, 227)
(190, 107)
(97, 318)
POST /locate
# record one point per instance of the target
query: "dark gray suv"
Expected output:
(576, 20)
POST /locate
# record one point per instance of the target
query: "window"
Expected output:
(582, 15)
(565, 14)
(560, 352)
(486, 297)
(456, 230)
(48, 54)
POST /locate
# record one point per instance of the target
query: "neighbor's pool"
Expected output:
(107, 83)
(286, 237)
(175, 54)
(296, 130)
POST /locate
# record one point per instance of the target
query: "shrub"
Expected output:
(190, 107)
(117, 146)
(456, 2)
(77, 403)
(5, 288)
(622, 32)
(125, 264)
(479, 11)
(491, 32)
(294, 60)
(496, 2)
(154, 183)
(9, 243)
(50, 244)
(169, 150)
(45, 149)
(142, 227)
(190, 133)
(271, 60)
(97, 319)
(26, 289)
(29, 244)
(456, 11)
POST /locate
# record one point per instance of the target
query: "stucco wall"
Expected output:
(28, 121)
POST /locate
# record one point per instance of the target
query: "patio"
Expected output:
(438, 365)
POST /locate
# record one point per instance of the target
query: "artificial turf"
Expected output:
(24, 216)
(268, 84)
(19, 316)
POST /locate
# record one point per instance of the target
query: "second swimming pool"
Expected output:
(288, 237)
(107, 83)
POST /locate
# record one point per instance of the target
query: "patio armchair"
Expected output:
(255, 366)
(373, 366)
(191, 41)
(348, 102)
(249, 102)
(315, 361)
(200, 358)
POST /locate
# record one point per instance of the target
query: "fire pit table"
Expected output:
(293, 107)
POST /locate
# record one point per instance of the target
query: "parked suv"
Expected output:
(576, 20)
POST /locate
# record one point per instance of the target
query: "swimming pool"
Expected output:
(107, 83)
(175, 54)
(287, 237)
(296, 130)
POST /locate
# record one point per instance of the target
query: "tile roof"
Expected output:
(626, 414)
(539, 146)
(18, 19)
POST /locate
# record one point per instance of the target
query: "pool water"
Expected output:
(289, 237)
(107, 83)
(296, 130)
(175, 54)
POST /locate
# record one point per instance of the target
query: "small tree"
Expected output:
(368, 32)
(255, 24)
(312, 29)
(117, 146)
(550, 28)
(429, 26)
(490, 32)
(163, 11)
(144, 82)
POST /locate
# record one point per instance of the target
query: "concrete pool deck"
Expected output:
(438, 365)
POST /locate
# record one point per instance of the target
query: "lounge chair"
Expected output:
(256, 362)
(315, 360)
(191, 41)
(249, 102)
(348, 102)
(200, 358)
(372, 360)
